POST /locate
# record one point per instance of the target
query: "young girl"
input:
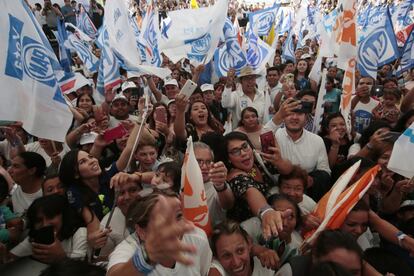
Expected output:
(387, 110)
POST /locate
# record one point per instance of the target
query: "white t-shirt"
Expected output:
(258, 269)
(119, 231)
(35, 147)
(217, 213)
(307, 205)
(113, 122)
(74, 247)
(202, 259)
(363, 114)
(21, 201)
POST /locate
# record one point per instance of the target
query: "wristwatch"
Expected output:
(401, 236)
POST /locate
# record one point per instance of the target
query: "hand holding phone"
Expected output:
(188, 88)
(114, 133)
(44, 235)
(161, 114)
(267, 140)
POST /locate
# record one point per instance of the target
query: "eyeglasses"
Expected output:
(237, 151)
(204, 162)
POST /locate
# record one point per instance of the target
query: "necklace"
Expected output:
(252, 172)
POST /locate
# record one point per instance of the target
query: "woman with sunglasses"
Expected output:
(250, 184)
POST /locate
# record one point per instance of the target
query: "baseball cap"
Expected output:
(207, 87)
(171, 82)
(88, 138)
(120, 96)
(127, 85)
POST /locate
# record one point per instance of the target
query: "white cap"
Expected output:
(305, 56)
(88, 138)
(120, 96)
(128, 84)
(207, 87)
(407, 203)
(171, 82)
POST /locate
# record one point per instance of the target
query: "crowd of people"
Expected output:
(96, 205)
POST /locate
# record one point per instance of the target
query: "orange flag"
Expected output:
(335, 217)
(195, 207)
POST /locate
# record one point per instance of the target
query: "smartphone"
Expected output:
(378, 90)
(114, 133)
(188, 88)
(160, 114)
(44, 235)
(267, 140)
(306, 107)
(392, 136)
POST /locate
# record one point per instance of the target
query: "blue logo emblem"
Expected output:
(372, 48)
(199, 47)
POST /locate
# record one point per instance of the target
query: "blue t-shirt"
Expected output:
(103, 201)
(333, 97)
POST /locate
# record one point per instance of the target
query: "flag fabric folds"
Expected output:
(334, 208)
(194, 33)
(263, 20)
(258, 53)
(407, 56)
(377, 43)
(402, 154)
(85, 24)
(29, 75)
(195, 207)
(289, 48)
(230, 54)
(84, 52)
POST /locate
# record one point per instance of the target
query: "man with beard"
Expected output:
(301, 147)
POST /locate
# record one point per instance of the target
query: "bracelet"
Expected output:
(401, 236)
(13, 189)
(369, 147)
(221, 188)
(140, 262)
(264, 210)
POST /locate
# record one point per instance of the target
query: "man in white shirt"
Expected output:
(219, 195)
(27, 171)
(273, 86)
(301, 147)
(362, 104)
(245, 95)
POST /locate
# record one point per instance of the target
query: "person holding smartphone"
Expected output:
(54, 232)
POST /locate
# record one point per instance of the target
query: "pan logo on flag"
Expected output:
(265, 21)
(372, 48)
(28, 56)
(232, 57)
(199, 47)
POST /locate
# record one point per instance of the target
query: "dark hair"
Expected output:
(4, 188)
(70, 267)
(384, 261)
(329, 269)
(330, 240)
(325, 123)
(173, 170)
(361, 206)
(83, 94)
(69, 176)
(234, 135)
(273, 68)
(330, 79)
(393, 91)
(210, 120)
(227, 228)
(305, 92)
(295, 73)
(279, 197)
(33, 160)
(296, 173)
(247, 109)
(400, 126)
(369, 131)
(51, 206)
(339, 169)
(49, 176)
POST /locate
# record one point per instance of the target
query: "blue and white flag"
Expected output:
(289, 48)
(149, 37)
(329, 20)
(288, 15)
(400, 14)
(407, 57)
(377, 43)
(109, 76)
(121, 36)
(258, 53)
(85, 24)
(402, 154)
(84, 52)
(29, 75)
(194, 33)
(230, 55)
(64, 53)
(262, 20)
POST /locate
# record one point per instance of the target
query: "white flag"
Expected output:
(401, 160)
(29, 72)
(194, 33)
